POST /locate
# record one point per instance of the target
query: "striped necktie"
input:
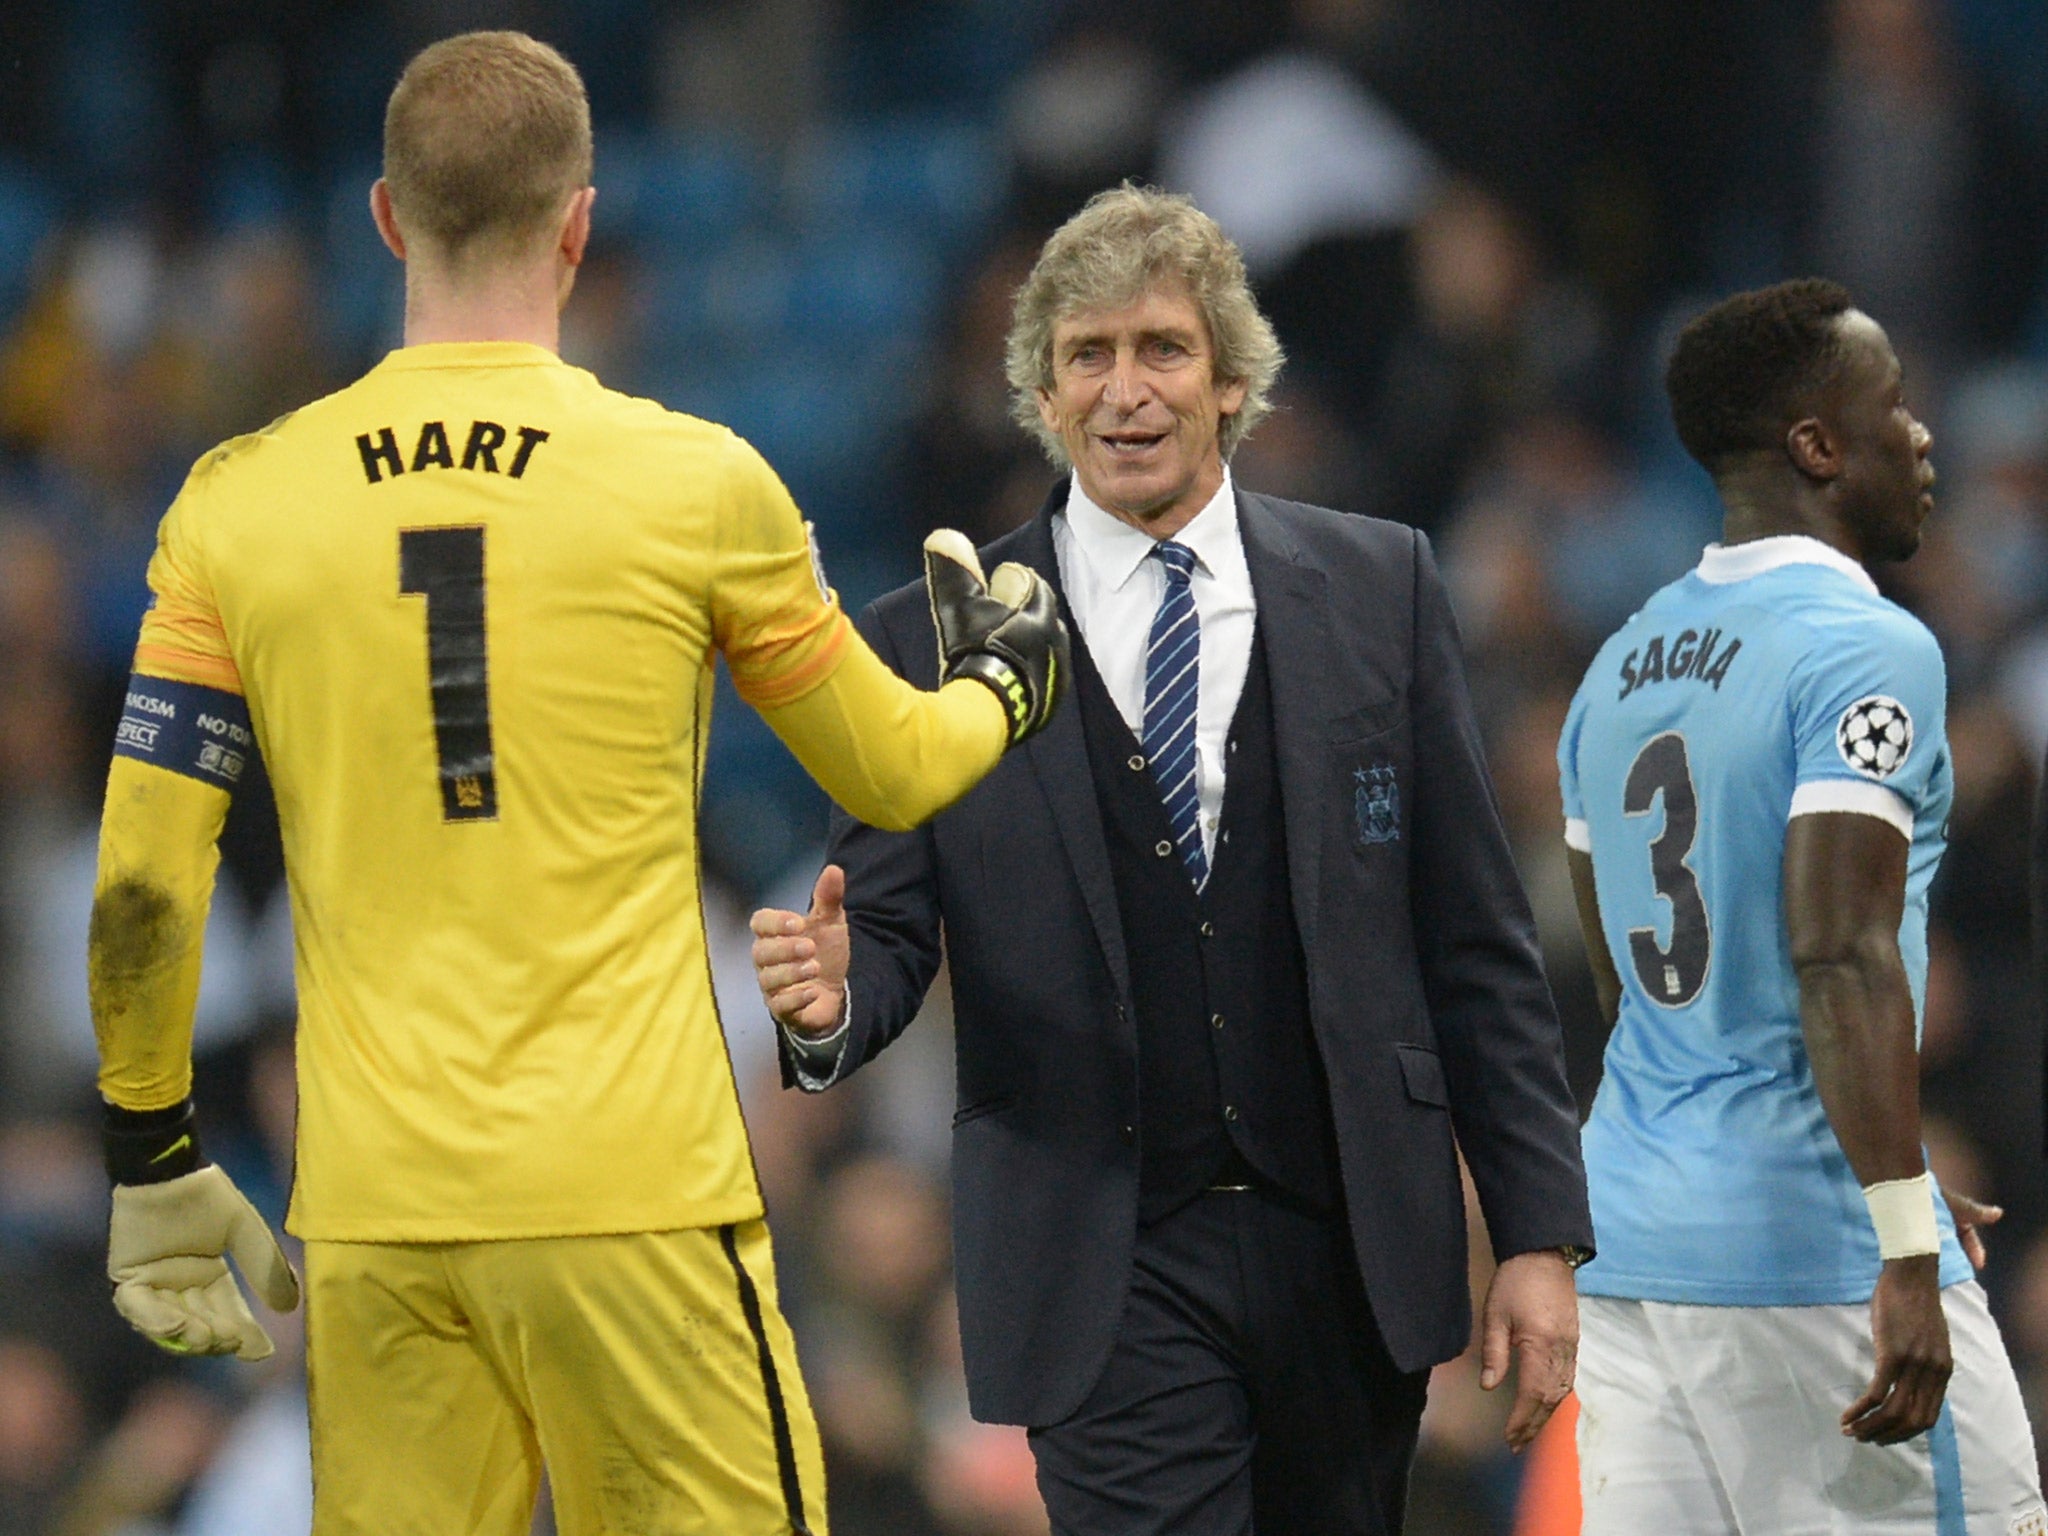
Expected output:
(1173, 671)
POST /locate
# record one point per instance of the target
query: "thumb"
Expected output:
(828, 896)
(1493, 1351)
(949, 546)
(1013, 585)
(1971, 1212)
(257, 1255)
(1979, 1213)
(952, 571)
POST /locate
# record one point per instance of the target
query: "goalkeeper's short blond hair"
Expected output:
(486, 138)
(1124, 243)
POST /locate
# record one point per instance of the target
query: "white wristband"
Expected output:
(1902, 1210)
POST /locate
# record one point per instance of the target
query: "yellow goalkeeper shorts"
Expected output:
(652, 1373)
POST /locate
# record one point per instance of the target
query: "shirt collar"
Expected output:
(1115, 550)
(1725, 563)
(470, 354)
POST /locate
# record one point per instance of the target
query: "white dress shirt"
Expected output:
(1115, 591)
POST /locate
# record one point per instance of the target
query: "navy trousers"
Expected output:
(1247, 1392)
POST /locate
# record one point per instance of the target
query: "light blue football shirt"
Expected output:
(1771, 681)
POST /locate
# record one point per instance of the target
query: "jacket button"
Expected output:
(1162, 848)
(1230, 1111)
(1137, 762)
(1127, 1134)
(1216, 1019)
(1208, 930)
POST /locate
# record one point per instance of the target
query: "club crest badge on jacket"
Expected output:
(1376, 803)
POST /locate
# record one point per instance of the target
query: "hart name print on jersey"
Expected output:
(433, 449)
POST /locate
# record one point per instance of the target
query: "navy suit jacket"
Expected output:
(1427, 996)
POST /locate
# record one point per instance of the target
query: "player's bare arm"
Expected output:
(1845, 882)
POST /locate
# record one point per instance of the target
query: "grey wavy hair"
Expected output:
(1124, 242)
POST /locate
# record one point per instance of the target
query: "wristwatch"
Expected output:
(1572, 1254)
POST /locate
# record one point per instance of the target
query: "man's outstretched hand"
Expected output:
(800, 958)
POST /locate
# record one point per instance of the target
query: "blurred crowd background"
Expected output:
(1476, 224)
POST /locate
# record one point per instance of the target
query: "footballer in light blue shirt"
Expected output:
(1780, 1331)
(1770, 683)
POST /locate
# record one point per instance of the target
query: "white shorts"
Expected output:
(1726, 1421)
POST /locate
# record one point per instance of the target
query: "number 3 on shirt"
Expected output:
(446, 567)
(1672, 977)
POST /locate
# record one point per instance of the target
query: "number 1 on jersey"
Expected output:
(1672, 977)
(446, 567)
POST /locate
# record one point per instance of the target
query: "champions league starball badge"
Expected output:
(1874, 736)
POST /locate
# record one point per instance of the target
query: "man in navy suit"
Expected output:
(1240, 961)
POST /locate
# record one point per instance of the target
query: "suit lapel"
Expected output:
(1294, 624)
(1059, 756)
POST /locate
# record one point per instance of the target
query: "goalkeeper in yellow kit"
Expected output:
(466, 608)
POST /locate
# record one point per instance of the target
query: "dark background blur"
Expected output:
(1476, 223)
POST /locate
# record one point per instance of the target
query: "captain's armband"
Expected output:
(202, 733)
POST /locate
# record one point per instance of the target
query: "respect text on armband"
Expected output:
(202, 733)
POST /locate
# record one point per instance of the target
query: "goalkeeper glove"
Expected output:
(176, 1220)
(1005, 634)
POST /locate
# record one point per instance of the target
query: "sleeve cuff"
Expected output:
(1577, 835)
(1859, 797)
(817, 1060)
(150, 1146)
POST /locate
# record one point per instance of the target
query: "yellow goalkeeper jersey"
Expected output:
(472, 602)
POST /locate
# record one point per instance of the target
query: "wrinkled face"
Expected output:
(1136, 403)
(1886, 487)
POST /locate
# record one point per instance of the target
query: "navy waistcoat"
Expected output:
(1227, 1059)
